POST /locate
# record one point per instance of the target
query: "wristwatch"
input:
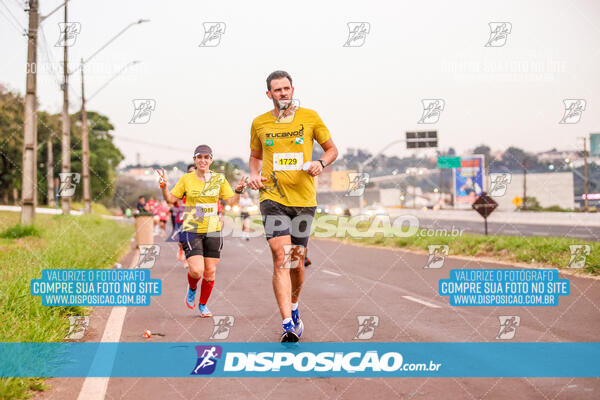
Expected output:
(240, 192)
(323, 163)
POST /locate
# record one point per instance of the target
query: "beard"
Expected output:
(284, 104)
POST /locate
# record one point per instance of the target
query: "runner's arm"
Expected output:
(168, 196)
(256, 180)
(331, 152)
(233, 197)
(330, 155)
(239, 187)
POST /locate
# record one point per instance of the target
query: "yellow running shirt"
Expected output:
(202, 201)
(285, 147)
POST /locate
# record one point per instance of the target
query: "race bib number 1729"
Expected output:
(287, 161)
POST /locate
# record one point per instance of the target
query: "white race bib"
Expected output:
(287, 161)
(206, 210)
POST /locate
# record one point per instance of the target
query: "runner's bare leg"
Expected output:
(210, 268)
(196, 264)
(297, 278)
(282, 283)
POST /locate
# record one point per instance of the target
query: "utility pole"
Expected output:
(524, 184)
(585, 173)
(35, 155)
(30, 120)
(50, 157)
(85, 147)
(50, 177)
(414, 190)
(66, 122)
(441, 181)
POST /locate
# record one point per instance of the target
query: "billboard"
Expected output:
(595, 144)
(468, 180)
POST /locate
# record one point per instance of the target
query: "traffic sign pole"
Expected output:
(484, 205)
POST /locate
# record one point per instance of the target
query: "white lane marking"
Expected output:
(425, 303)
(94, 388)
(331, 273)
(540, 233)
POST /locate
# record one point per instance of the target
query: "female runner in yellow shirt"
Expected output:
(200, 234)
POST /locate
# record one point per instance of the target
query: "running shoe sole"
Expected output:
(206, 315)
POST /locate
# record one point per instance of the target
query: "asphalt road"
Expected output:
(494, 228)
(344, 282)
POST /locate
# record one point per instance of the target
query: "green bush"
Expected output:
(19, 231)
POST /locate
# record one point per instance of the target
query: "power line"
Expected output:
(12, 15)
(21, 32)
(49, 58)
(162, 146)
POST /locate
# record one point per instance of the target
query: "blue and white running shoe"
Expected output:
(190, 298)
(204, 311)
(298, 324)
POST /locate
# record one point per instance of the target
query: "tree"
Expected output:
(104, 155)
(11, 143)
(514, 159)
(239, 163)
(128, 190)
(229, 170)
(485, 151)
(49, 126)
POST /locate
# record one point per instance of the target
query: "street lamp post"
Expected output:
(585, 171)
(65, 201)
(85, 151)
(28, 180)
(85, 142)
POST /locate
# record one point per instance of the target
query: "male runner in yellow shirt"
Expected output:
(281, 167)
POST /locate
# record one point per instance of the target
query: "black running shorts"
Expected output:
(280, 220)
(201, 244)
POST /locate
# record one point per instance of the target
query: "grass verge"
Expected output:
(62, 242)
(536, 250)
(97, 208)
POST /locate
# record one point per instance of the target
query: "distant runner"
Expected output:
(163, 214)
(245, 204)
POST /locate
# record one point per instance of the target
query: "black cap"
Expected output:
(203, 149)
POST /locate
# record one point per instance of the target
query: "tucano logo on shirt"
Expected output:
(298, 133)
